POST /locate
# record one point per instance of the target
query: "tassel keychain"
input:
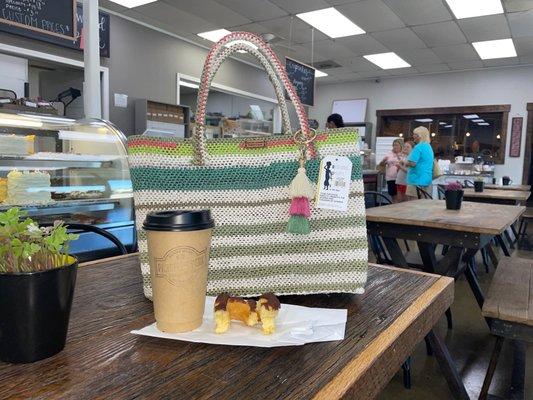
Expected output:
(301, 191)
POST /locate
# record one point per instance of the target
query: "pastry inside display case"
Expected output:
(76, 171)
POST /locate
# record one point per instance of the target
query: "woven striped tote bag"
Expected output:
(247, 185)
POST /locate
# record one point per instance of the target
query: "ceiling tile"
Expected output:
(517, 5)
(432, 68)
(501, 62)
(373, 74)
(458, 52)
(360, 64)
(521, 23)
(340, 2)
(340, 71)
(211, 11)
(301, 32)
(255, 10)
(327, 49)
(254, 27)
(465, 64)
(362, 45)
(171, 16)
(419, 57)
(402, 71)
(398, 39)
(526, 60)
(491, 27)
(419, 12)
(524, 45)
(299, 6)
(371, 15)
(440, 34)
(327, 79)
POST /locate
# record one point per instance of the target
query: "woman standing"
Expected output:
(420, 162)
(401, 178)
(391, 162)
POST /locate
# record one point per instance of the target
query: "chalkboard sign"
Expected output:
(73, 43)
(49, 17)
(303, 79)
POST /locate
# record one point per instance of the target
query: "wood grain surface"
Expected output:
(510, 297)
(516, 195)
(103, 360)
(472, 217)
(525, 188)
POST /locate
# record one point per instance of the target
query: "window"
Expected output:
(469, 131)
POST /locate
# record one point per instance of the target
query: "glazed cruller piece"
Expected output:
(250, 312)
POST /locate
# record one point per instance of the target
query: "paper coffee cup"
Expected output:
(178, 252)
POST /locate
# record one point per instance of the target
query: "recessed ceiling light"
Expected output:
(483, 123)
(319, 74)
(471, 116)
(433, 134)
(474, 8)
(400, 135)
(132, 3)
(467, 134)
(215, 35)
(424, 120)
(498, 136)
(331, 22)
(490, 49)
(448, 126)
(387, 60)
(442, 123)
(478, 120)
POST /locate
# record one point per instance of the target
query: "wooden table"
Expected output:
(103, 360)
(524, 188)
(495, 196)
(429, 223)
(509, 306)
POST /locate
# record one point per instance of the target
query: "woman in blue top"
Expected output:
(420, 162)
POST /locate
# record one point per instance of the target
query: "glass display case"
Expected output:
(75, 171)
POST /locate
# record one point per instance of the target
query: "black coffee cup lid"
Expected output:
(179, 220)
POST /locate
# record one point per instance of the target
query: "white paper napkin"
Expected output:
(295, 326)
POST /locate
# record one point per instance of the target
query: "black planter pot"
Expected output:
(506, 181)
(479, 186)
(454, 198)
(34, 313)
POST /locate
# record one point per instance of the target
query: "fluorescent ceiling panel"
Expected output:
(483, 123)
(471, 116)
(424, 120)
(491, 49)
(331, 22)
(319, 74)
(478, 120)
(448, 126)
(132, 3)
(474, 8)
(442, 123)
(387, 60)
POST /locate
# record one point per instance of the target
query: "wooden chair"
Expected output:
(508, 309)
(524, 221)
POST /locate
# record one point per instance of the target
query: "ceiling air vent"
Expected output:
(326, 64)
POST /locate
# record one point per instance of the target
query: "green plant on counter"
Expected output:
(26, 247)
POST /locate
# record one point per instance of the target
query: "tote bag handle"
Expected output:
(245, 41)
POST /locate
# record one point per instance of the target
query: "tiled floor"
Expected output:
(470, 344)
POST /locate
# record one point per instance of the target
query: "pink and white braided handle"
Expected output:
(216, 55)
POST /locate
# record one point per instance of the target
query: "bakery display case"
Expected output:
(76, 171)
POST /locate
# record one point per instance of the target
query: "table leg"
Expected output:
(508, 237)
(427, 253)
(494, 259)
(474, 285)
(491, 368)
(502, 244)
(515, 233)
(447, 366)
(518, 374)
(395, 252)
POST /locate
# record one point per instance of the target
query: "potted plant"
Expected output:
(479, 185)
(453, 195)
(37, 279)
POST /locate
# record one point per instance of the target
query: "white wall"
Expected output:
(512, 86)
(13, 73)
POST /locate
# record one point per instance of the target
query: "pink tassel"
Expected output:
(300, 206)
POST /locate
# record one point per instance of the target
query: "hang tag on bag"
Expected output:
(333, 187)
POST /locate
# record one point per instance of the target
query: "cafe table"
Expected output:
(102, 359)
(429, 223)
(524, 188)
(497, 196)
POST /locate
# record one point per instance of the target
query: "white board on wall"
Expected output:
(353, 110)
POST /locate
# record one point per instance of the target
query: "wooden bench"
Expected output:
(509, 308)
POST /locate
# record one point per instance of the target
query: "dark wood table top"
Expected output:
(515, 195)
(510, 297)
(524, 188)
(483, 218)
(102, 359)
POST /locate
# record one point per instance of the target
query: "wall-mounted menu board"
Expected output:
(303, 79)
(48, 17)
(72, 43)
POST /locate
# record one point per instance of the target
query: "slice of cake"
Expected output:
(3, 189)
(28, 187)
(15, 145)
